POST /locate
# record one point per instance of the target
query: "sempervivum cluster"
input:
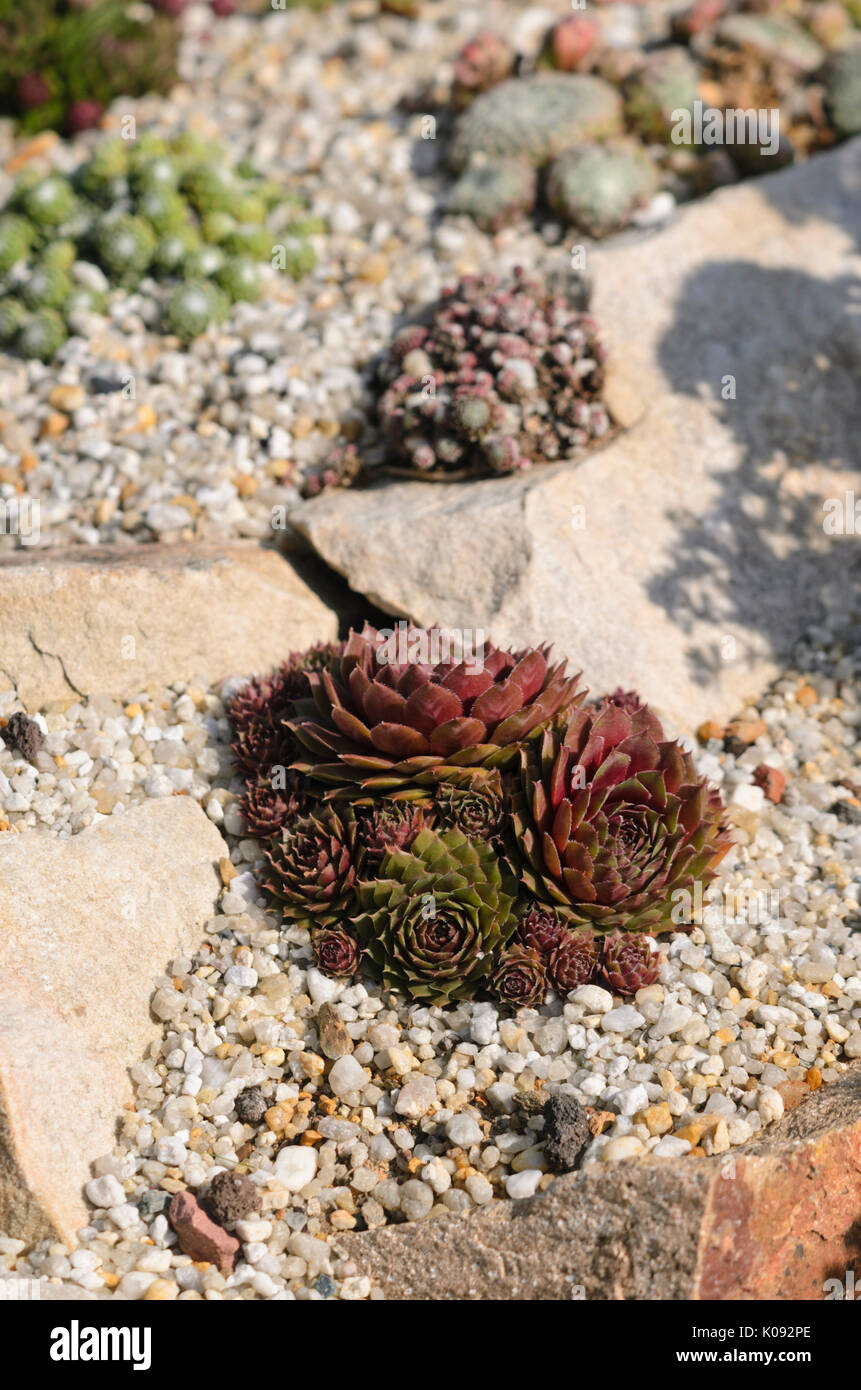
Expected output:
(573, 956)
(403, 837)
(503, 374)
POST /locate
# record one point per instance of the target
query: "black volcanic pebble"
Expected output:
(24, 733)
(566, 1132)
(251, 1105)
(231, 1197)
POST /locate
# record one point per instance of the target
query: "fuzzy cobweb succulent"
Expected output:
(456, 827)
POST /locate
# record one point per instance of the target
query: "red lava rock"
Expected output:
(772, 781)
(199, 1236)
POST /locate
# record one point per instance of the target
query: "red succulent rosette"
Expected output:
(574, 961)
(378, 726)
(336, 952)
(611, 819)
(628, 962)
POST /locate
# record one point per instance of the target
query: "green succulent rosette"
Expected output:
(434, 921)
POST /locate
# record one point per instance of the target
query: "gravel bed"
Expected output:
(205, 443)
(371, 1110)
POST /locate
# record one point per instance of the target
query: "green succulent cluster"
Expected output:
(174, 211)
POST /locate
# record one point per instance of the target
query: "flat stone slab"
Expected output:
(86, 924)
(116, 621)
(686, 558)
(772, 1221)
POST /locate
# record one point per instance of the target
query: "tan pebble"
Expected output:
(746, 730)
(68, 399)
(110, 1279)
(278, 1116)
(374, 268)
(227, 870)
(161, 1291)
(656, 1118)
(813, 1078)
(28, 462)
(312, 1066)
(132, 711)
(710, 730)
(183, 499)
(33, 149)
(792, 1093)
(104, 511)
(278, 468)
(302, 426)
(245, 484)
(55, 425)
(725, 1035)
(342, 1220)
(146, 418)
(309, 1137)
(784, 1060)
(806, 696)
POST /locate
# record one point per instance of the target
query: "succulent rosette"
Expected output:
(540, 929)
(388, 826)
(434, 920)
(574, 959)
(382, 727)
(611, 819)
(267, 808)
(480, 814)
(261, 739)
(336, 952)
(520, 978)
(628, 962)
(310, 869)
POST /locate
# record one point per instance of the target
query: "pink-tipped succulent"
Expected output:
(540, 929)
(261, 739)
(376, 726)
(336, 952)
(481, 63)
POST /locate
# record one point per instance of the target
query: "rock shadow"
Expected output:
(759, 554)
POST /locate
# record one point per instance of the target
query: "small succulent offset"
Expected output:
(502, 373)
(170, 211)
(396, 828)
